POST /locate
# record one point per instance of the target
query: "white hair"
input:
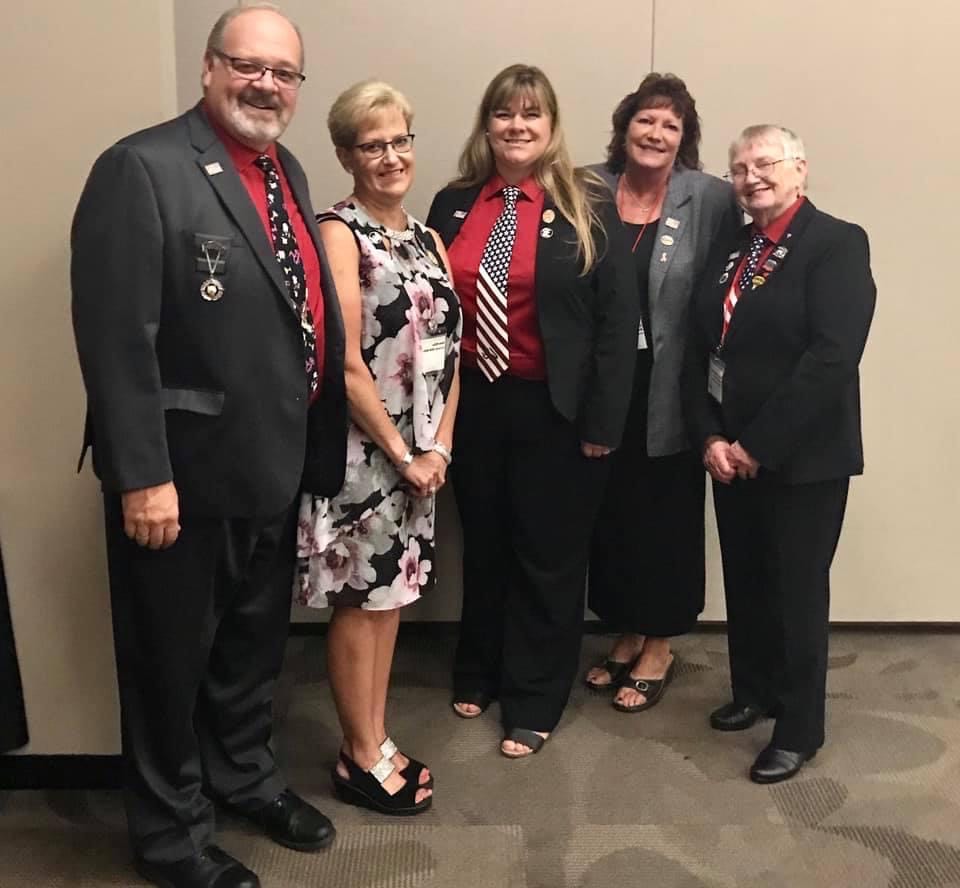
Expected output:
(768, 132)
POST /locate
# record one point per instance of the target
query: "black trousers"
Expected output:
(527, 499)
(13, 719)
(200, 630)
(777, 542)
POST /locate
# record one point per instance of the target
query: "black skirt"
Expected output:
(647, 557)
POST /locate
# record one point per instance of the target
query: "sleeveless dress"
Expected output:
(372, 545)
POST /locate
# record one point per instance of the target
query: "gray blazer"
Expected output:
(698, 209)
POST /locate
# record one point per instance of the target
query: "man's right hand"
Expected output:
(151, 515)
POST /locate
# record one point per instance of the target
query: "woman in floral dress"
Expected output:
(368, 551)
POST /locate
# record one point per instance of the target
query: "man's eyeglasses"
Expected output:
(375, 150)
(762, 168)
(248, 70)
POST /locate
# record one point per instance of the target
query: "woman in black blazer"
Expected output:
(772, 397)
(550, 321)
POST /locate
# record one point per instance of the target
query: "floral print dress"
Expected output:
(372, 545)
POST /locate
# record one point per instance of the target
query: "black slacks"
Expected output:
(13, 718)
(527, 499)
(777, 542)
(200, 630)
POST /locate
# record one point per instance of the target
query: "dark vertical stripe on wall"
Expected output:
(13, 720)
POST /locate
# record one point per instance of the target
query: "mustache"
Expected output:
(264, 100)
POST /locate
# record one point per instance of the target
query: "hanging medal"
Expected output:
(212, 288)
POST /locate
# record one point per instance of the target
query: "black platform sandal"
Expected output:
(365, 789)
(388, 749)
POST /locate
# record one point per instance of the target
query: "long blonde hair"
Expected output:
(570, 189)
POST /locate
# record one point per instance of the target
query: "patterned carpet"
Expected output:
(653, 799)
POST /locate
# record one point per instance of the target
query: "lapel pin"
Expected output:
(667, 240)
(728, 266)
(758, 280)
(672, 223)
(724, 277)
(548, 216)
(213, 168)
(546, 232)
(663, 257)
(780, 252)
(770, 265)
(460, 214)
(734, 254)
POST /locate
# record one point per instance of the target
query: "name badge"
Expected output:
(715, 379)
(433, 354)
(641, 338)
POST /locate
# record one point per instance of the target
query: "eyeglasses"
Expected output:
(376, 149)
(762, 168)
(248, 70)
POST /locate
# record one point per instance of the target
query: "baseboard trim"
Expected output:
(435, 628)
(61, 771)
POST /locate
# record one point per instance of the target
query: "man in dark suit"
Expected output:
(771, 394)
(211, 345)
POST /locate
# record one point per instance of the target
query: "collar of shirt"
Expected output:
(242, 155)
(775, 231)
(529, 189)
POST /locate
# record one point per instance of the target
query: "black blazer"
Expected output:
(210, 395)
(791, 388)
(588, 323)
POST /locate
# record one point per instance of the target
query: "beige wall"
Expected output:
(85, 75)
(865, 88)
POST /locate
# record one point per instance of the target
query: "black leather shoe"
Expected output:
(293, 823)
(735, 716)
(210, 868)
(774, 765)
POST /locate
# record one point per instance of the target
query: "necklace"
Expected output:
(623, 187)
(393, 234)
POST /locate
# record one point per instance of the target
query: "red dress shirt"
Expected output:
(523, 329)
(253, 179)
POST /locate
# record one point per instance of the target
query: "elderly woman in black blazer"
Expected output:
(772, 396)
(550, 323)
(647, 558)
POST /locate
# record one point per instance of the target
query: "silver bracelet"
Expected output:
(443, 451)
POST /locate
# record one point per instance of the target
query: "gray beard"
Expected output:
(255, 130)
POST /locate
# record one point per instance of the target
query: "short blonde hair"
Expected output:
(357, 104)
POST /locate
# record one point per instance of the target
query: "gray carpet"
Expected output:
(653, 799)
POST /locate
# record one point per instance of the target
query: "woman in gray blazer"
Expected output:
(647, 561)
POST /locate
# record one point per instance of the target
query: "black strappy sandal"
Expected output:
(388, 749)
(365, 789)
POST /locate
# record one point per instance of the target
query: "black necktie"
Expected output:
(291, 264)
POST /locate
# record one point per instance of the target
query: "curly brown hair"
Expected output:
(657, 91)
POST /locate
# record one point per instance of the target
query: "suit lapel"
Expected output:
(459, 206)
(219, 171)
(675, 220)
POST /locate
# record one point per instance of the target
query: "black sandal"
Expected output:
(388, 749)
(472, 698)
(528, 738)
(651, 688)
(365, 789)
(616, 669)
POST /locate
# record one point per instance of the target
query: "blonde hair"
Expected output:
(357, 104)
(570, 189)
